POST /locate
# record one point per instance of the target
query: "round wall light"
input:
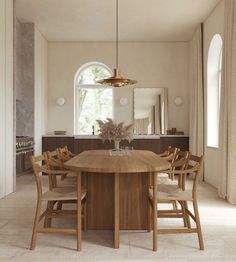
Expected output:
(60, 101)
(178, 101)
(123, 101)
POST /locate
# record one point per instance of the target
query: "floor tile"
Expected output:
(16, 220)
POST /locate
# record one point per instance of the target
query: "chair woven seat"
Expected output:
(169, 188)
(170, 192)
(66, 193)
(163, 175)
(163, 178)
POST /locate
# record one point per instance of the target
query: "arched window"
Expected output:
(213, 90)
(92, 101)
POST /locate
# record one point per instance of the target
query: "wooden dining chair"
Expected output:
(170, 155)
(165, 153)
(54, 159)
(183, 197)
(54, 162)
(181, 163)
(65, 154)
(52, 196)
(68, 179)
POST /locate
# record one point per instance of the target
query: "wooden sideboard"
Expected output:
(78, 145)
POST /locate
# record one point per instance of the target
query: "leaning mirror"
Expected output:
(150, 110)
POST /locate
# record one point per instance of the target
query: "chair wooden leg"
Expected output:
(184, 213)
(198, 225)
(78, 211)
(183, 182)
(59, 205)
(46, 216)
(35, 227)
(154, 212)
(180, 181)
(149, 216)
(175, 205)
(47, 220)
(85, 215)
(187, 216)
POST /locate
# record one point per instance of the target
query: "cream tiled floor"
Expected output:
(17, 213)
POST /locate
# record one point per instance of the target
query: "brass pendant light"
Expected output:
(117, 80)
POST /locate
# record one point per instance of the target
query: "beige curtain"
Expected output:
(196, 94)
(227, 183)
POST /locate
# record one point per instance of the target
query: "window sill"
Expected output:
(213, 147)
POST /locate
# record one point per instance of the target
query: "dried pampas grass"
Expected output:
(109, 130)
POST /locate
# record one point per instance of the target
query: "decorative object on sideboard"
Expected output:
(60, 101)
(59, 133)
(117, 80)
(173, 131)
(124, 101)
(178, 101)
(112, 131)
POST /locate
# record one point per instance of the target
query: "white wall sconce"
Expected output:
(124, 101)
(60, 101)
(178, 101)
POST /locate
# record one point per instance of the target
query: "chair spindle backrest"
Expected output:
(53, 160)
(172, 154)
(183, 158)
(38, 168)
(196, 164)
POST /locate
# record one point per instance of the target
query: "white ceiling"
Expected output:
(94, 20)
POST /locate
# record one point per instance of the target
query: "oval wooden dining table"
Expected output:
(117, 163)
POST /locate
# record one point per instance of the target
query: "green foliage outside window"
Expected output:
(94, 101)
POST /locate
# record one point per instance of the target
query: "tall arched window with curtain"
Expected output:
(213, 90)
(92, 101)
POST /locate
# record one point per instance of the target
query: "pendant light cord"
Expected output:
(117, 33)
(116, 80)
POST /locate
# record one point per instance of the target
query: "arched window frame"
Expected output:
(214, 63)
(92, 86)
